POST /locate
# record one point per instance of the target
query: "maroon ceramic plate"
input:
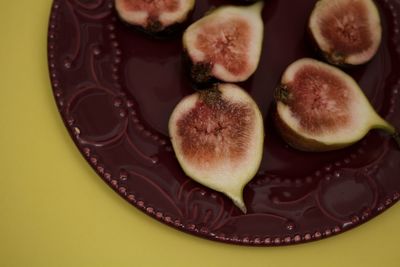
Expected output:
(116, 87)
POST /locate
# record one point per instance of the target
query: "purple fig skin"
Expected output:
(301, 143)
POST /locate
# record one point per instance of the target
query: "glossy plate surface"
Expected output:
(116, 87)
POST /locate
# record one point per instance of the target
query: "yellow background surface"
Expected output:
(55, 211)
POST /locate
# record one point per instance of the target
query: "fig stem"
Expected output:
(282, 93)
(211, 96)
(396, 137)
(336, 59)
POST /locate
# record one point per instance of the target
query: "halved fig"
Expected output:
(348, 32)
(225, 44)
(218, 135)
(321, 108)
(154, 16)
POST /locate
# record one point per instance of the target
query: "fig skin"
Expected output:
(298, 138)
(207, 67)
(334, 52)
(299, 142)
(218, 139)
(154, 27)
(302, 143)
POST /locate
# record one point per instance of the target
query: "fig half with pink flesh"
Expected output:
(217, 135)
(321, 108)
(348, 32)
(154, 16)
(225, 44)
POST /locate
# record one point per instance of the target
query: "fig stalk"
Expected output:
(390, 130)
(282, 93)
(396, 137)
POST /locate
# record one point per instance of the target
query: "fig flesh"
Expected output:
(154, 16)
(225, 44)
(217, 135)
(321, 108)
(347, 32)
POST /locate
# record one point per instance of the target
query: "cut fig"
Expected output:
(154, 16)
(217, 135)
(348, 32)
(225, 44)
(321, 108)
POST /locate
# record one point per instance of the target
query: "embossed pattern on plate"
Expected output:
(115, 89)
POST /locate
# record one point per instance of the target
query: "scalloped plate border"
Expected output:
(394, 6)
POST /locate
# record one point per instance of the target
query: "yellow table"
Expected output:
(55, 211)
